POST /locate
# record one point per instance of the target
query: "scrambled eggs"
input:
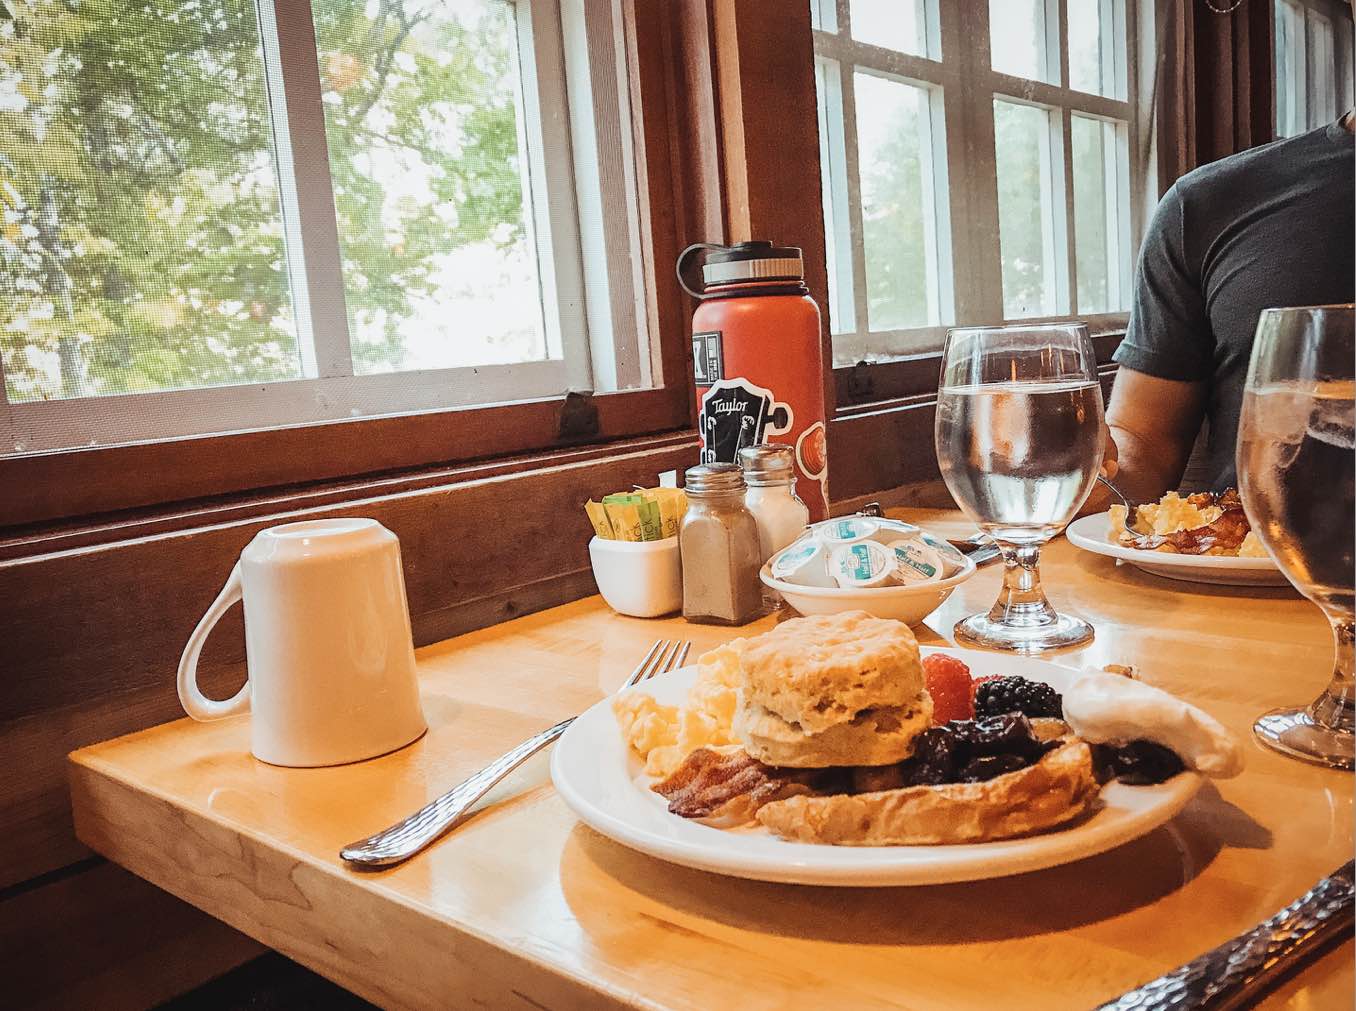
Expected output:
(664, 735)
(1172, 513)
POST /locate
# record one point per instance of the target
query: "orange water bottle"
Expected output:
(758, 362)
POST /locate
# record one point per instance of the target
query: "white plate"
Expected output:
(1091, 534)
(604, 784)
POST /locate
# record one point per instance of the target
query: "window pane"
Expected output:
(824, 15)
(897, 232)
(141, 242)
(1017, 40)
(892, 24)
(1025, 209)
(1096, 62)
(1322, 68)
(1290, 71)
(425, 136)
(834, 193)
(1100, 247)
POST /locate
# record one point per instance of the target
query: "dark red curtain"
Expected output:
(1215, 83)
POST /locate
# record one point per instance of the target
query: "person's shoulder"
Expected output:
(1260, 164)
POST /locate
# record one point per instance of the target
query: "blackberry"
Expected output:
(1139, 763)
(1015, 694)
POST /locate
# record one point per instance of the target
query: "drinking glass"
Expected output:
(1296, 451)
(1019, 441)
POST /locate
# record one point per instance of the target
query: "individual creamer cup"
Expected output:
(888, 531)
(862, 565)
(846, 530)
(915, 562)
(952, 559)
(805, 563)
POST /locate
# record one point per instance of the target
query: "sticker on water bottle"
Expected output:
(708, 361)
(736, 414)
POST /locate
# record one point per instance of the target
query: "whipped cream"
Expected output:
(1107, 708)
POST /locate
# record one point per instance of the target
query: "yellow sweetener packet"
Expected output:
(650, 526)
(602, 526)
(625, 517)
(672, 503)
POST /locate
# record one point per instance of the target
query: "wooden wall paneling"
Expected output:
(884, 449)
(871, 451)
(673, 154)
(92, 635)
(769, 129)
(101, 937)
(42, 487)
(123, 526)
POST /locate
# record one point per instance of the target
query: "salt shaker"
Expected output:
(770, 473)
(718, 542)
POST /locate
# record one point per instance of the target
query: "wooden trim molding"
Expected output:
(873, 384)
(45, 487)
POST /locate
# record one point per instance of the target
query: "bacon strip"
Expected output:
(730, 787)
(1226, 532)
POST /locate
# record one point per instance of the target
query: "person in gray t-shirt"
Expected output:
(1272, 226)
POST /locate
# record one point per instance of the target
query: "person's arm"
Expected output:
(1152, 424)
(1161, 390)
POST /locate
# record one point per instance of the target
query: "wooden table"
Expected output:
(525, 907)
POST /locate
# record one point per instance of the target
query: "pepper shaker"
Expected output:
(718, 542)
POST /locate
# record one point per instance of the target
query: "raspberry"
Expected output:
(948, 682)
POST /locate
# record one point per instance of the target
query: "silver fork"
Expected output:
(421, 829)
(1130, 508)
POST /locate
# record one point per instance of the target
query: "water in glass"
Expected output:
(1297, 479)
(1020, 457)
(1019, 440)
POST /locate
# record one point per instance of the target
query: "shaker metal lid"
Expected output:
(713, 477)
(767, 464)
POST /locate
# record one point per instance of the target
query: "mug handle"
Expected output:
(195, 703)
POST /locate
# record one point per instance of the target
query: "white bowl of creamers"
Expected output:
(887, 568)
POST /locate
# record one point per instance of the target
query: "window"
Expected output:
(976, 165)
(223, 215)
(1313, 64)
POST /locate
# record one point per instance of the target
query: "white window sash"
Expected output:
(139, 417)
(314, 256)
(306, 195)
(965, 181)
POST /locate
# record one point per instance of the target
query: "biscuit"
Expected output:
(822, 671)
(877, 736)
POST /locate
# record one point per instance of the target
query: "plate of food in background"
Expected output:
(832, 750)
(1203, 538)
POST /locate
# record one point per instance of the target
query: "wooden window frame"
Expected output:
(713, 153)
(63, 485)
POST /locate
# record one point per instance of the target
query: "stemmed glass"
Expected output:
(1296, 457)
(1019, 441)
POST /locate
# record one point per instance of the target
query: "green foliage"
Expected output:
(892, 206)
(141, 237)
(1019, 132)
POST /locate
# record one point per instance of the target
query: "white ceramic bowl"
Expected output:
(909, 604)
(641, 578)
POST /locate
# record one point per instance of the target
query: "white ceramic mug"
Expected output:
(327, 643)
